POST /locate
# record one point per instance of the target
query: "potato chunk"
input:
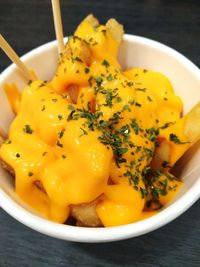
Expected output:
(85, 214)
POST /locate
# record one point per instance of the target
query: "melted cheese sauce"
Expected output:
(67, 153)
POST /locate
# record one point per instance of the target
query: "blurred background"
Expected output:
(27, 24)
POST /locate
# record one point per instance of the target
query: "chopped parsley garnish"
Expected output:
(137, 104)
(135, 126)
(99, 80)
(167, 124)
(70, 107)
(105, 63)
(174, 138)
(84, 132)
(43, 108)
(78, 59)
(133, 102)
(104, 32)
(129, 83)
(59, 144)
(87, 70)
(126, 107)
(30, 174)
(60, 134)
(140, 89)
(165, 164)
(7, 142)
(60, 117)
(27, 129)
(109, 96)
(110, 77)
(90, 80)
(144, 192)
(118, 99)
(17, 155)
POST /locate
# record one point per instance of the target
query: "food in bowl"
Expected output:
(96, 144)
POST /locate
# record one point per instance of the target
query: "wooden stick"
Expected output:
(58, 24)
(14, 58)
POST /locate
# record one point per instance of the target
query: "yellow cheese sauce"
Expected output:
(91, 132)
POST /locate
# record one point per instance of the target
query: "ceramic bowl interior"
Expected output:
(134, 52)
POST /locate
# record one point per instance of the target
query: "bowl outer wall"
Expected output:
(93, 235)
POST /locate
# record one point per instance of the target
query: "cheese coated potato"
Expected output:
(96, 143)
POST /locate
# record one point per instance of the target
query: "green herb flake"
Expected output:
(90, 80)
(137, 104)
(99, 81)
(30, 174)
(118, 99)
(110, 77)
(87, 70)
(174, 138)
(43, 108)
(78, 59)
(84, 132)
(126, 107)
(144, 192)
(60, 134)
(140, 89)
(60, 117)
(104, 32)
(135, 126)
(105, 63)
(165, 164)
(7, 142)
(70, 107)
(27, 129)
(59, 144)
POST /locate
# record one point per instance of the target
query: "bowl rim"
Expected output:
(95, 235)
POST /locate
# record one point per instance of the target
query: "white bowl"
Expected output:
(134, 52)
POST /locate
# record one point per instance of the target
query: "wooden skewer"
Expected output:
(15, 58)
(58, 24)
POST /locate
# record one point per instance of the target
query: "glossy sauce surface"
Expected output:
(90, 132)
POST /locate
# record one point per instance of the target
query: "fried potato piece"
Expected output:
(92, 20)
(161, 155)
(7, 167)
(4, 165)
(177, 139)
(116, 29)
(1, 140)
(192, 124)
(85, 214)
(73, 90)
(11, 171)
(3, 136)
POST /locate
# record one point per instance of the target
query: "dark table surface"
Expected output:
(28, 24)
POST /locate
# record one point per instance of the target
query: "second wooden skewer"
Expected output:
(15, 59)
(58, 24)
